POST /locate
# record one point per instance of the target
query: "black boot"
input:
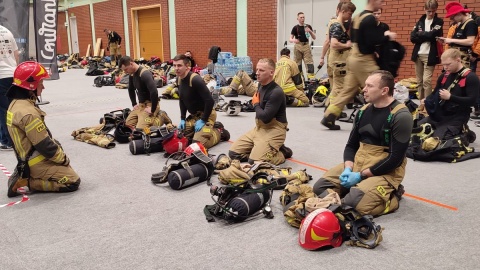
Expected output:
(329, 122)
(232, 93)
(287, 152)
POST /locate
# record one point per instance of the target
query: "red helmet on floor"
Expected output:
(318, 229)
(195, 147)
(28, 74)
(175, 142)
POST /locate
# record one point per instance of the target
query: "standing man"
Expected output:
(8, 63)
(42, 163)
(147, 111)
(340, 46)
(366, 35)
(425, 53)
(288, 77)
(374, 164)
(265, 142)
(195, 98)
(114, 44)
(300, 35)
(465, 33)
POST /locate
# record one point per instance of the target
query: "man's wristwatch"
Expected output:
(363, 176)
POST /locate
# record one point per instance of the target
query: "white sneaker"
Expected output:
(6, 148)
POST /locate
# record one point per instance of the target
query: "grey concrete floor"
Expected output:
(119, 220)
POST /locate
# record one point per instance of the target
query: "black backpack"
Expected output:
(104, 81)
(390, 57)
(93, 69)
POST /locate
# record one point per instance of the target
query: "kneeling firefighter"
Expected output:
(42, 163)
(290, 80)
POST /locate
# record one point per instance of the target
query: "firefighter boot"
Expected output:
(329, 122)
(15, 181)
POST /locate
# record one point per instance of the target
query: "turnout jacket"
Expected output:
(25, 122)
(287, 75)
(419, 36)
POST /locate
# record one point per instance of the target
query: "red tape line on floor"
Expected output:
(24, 198)
(406, 194)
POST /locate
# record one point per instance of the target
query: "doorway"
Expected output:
(74, 35)
(317, 13)
(147, 32)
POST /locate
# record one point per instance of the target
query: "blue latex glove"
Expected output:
(182, 124)
(199, 125)
(353, 179)
(345, 174)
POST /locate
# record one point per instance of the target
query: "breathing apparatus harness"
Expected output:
(258, 183)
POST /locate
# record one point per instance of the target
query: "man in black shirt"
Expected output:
(300, 35)
(366, 35)
(465, 33)
(146, 112)
(265, 142)
(456, 91)
(114, 44)
(374, 158)
(340, 46)
(194, 97)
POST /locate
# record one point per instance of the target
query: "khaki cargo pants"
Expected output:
(262, 143)
(140, 119)
(301, 100)
(208, 136)
(372, 196)
(359, 67)
(302, 51)
(242, 83)
(114, 53)
(46, 175)
(337, 61)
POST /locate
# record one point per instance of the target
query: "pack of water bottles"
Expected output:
(228, 65)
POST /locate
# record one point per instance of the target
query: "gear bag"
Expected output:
(104, 81)
(93, 69)
(452, 150)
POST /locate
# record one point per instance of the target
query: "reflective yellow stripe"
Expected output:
(33, 125)
(35, 160)
(18, 143)
(287, 88)
(58, 158)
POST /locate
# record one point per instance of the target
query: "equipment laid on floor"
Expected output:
(236, 203)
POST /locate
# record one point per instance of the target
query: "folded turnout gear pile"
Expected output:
(324, 221)
(103, 134)
(426, 147)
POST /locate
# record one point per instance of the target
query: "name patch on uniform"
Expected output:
(63, 180)
(40, 127)
(381, 190)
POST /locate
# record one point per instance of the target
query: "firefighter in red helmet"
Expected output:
(42, 163)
